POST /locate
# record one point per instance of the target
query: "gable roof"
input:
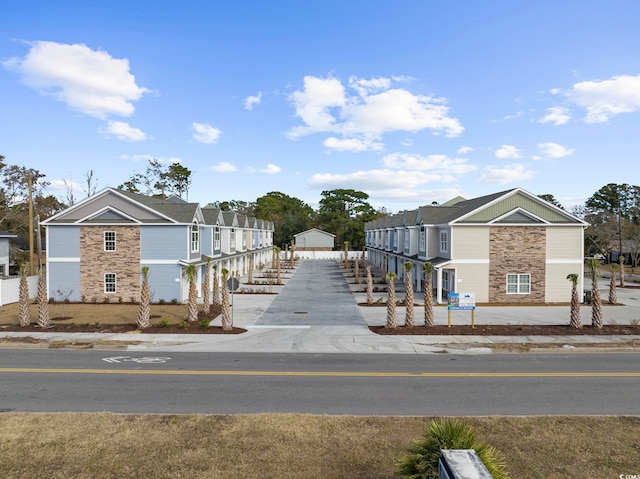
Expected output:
(314, 230)
(112, 205)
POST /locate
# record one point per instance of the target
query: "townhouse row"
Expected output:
(97, 248)
(508, 247)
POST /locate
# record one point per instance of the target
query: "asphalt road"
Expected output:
(63, 380)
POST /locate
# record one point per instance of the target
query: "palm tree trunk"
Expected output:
(24, 314)
(226, 307)
(192, 312)
(409, 313)
(206, 294)
(596, 305)
(613, 298)
(216, 286)
(43, 301)
(391, 303)
(144, 312)
(428, 302)
(369, 286)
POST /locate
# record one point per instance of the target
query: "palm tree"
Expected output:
(346, 256)
(250, 272)
(144, 312)
(427, 268)
(369, 286)
(575, 302)
(596, 300)
(278, 271)
(43, 301)
(424, 453)
(192, 305)
(408, 298)
(613, 298)
(216, 286)
(621, 261)
(391, 302)
(356, 271)
(206, 284)
(226, 307)
(24, 314)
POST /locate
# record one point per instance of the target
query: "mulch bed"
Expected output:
(192, 328)
(509, 330)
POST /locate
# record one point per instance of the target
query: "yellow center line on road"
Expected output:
(349, 374)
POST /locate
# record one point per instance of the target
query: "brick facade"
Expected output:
(520, 250)
(95, 262)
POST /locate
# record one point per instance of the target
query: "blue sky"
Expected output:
(410, 101)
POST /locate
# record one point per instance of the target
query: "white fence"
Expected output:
(10, 289)
(337, 255)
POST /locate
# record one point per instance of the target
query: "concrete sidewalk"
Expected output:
(316, 312)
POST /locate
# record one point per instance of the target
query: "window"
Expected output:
(109, 282)
(423, 237)
(195, 237)
(518, 283)
(109, 240)
(444, 242)
(406, 239)
(217, 238)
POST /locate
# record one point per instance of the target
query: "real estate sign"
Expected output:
(458, 301)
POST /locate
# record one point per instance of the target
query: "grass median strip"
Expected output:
(291, 446)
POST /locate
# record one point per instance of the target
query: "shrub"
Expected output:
(163, 323)
(204, 324)
(161, 301)
(183, 324)
(174, 301)
(424, 453)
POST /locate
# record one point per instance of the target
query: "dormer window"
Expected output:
(195, 238)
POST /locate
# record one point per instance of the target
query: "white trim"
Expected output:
(470, 261)
(62, 259)
(564, 261)
(104, 210)
(160, 261)
(516, 210)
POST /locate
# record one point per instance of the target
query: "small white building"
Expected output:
(314, 240)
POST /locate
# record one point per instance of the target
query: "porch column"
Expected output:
(439, 285)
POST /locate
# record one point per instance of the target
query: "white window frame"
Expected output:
(109, 243)
(520, 283)
(423, 239)
(216, 238)
(195, 238)
(108, 281)
(407, 237)
(446, 280)
(444, 241)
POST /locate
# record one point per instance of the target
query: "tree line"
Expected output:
(613, 212)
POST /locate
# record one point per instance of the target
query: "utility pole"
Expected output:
(31, 265)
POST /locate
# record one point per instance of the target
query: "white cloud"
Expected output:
(557, 115)
(372, 109)
(506, 174)
(223, 167)
(122, 131)
(508, 151)
(86, 80)
(138, 158)
(441, 163)
(205, 133)
(554, 150)
(605, 99)
(251, 101)
(270, 169)
(382, 179)
(463, 150)
(353, 144)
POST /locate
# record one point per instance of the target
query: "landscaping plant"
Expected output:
(424, 453)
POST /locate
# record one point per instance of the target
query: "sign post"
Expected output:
(233, 285)
(461, 301)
